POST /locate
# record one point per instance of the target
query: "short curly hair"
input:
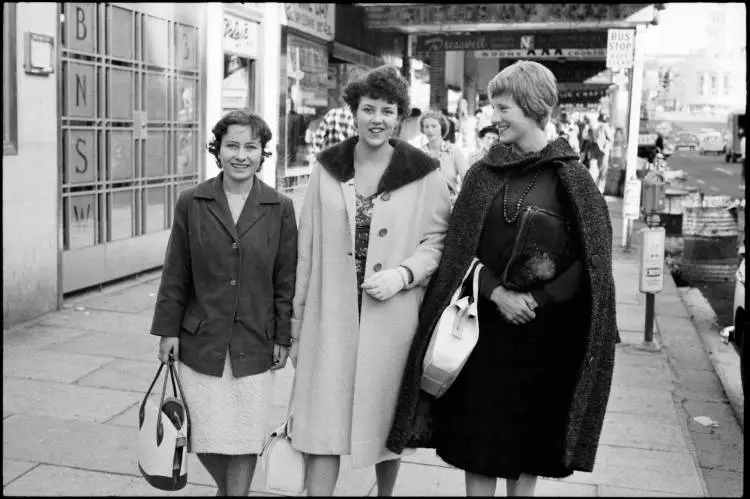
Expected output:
(445, 126)
(242, 117)
(384, 82)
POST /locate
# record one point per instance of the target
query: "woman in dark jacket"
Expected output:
(530, 400)
(225, 301)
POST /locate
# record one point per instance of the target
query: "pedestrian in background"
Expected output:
(224, 304)
(530, 401)
(338, 123)
(487, 137)
(371, 234)
(453, 165)
(410, 125)
(450, 136)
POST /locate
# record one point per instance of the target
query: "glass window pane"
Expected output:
(186, 152)
(121, 94)
(156, 154)
(185, 100)
(120, 216)
(187, 48)
(156, 88)
(80, 27)
(80, 90)
(156, 209)
(80, 158)
(121, 32)
(121, 155)
(155, 41)
(80, 214)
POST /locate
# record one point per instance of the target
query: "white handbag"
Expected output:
(453, 338)
(284, 466)
(163, 433)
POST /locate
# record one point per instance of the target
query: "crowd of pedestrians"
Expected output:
(399, 204)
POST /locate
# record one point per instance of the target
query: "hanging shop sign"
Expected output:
(316, 19)
(559, 53)
(403, 16)
(494, 40)
(355, 56)
(240, 37)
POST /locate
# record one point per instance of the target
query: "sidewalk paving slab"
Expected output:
(65, 427)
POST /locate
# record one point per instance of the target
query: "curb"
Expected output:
(723, 357)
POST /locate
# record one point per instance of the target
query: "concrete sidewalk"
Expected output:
(73, 379)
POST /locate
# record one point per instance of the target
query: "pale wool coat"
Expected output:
(348, 369)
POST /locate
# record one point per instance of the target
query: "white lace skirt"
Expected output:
(228, 415)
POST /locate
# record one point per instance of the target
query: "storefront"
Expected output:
(304, 90)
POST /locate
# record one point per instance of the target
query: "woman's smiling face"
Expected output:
(240, 153)
(512, 124)
(376, 119)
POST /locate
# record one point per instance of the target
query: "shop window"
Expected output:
(702, 85)
(727, 83)
(238, 87)
(10, 96)
(713, 84)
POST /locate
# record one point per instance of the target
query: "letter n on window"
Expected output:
(10, 96)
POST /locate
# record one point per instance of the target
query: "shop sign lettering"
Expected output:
(240, 36)
(316, 19)
(486, 40)
(393, 15)
(79, 24)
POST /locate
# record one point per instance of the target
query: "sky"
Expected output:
(681, 30)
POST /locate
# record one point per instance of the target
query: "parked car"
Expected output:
(686, 140)
(740, 319)
(711, 142)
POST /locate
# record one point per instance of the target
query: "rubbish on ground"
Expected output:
(79, 308)
(706, 421)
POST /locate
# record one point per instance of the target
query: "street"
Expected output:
(709, 173)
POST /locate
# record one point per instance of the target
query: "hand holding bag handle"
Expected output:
(142, 411)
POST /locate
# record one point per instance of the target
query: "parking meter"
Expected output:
(654, 195)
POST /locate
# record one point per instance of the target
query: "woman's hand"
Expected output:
(294, 353)
(384, 284)
(280, 354)
(166, 345)
(517, 308)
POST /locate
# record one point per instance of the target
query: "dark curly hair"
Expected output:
(384, 82)
(242, 117)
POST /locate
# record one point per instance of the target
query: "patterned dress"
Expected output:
(362, 239)
(228, 415)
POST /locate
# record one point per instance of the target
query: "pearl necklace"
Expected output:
(517, 211)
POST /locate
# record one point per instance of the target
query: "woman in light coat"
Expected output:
(371, 234)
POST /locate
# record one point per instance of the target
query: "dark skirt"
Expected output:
(506, 413)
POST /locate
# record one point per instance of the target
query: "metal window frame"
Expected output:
(10, 85)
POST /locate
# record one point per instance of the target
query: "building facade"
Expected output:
(108, 108)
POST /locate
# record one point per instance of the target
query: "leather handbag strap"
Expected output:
(475, 284)
(457, 293)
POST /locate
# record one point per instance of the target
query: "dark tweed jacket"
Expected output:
(412, 420)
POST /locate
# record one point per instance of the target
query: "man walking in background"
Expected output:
(338, 123)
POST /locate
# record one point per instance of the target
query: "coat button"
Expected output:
(386, 196)
(377, 267)
(235, 245)
(232, 282)
(383, 232)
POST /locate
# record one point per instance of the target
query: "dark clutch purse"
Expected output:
(542, 250)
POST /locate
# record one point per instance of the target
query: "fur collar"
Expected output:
(503, 156)
(407, 164)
